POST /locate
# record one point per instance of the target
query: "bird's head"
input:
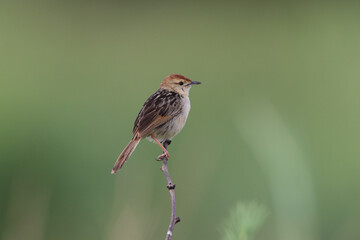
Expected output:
(178, 83)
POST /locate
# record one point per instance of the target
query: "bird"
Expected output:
(162, 116)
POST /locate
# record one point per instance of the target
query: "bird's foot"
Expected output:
(161, 157)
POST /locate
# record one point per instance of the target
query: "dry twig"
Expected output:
(171, 187)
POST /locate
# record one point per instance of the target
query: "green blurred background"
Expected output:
(275, 121)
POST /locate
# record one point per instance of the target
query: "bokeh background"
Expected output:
(276, 120)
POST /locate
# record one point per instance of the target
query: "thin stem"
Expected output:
(171, 187)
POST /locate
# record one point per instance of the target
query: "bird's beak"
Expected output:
(194, 83)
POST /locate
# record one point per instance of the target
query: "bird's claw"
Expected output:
(160, 157)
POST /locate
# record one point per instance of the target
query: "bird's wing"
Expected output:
(157, 110)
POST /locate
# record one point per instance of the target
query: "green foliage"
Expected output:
(244, 220)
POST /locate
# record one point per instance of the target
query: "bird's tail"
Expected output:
(125, 154)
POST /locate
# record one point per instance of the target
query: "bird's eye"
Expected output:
(181, 83)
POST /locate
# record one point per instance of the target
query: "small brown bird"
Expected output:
(162, 117)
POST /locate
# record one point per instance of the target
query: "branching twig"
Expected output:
(171, 187)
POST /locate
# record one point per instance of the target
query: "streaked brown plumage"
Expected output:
(162, 116)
